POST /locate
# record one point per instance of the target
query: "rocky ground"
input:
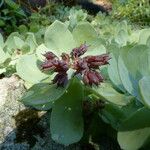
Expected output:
(23, 128)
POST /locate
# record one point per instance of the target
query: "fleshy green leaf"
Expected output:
(58, 38)
(66, 118)
(31, 41)
(133, 140)
(3, 56)
(126, 118)
(136, 120)
(10, 43)
(144, 85)
(125, 77)
(133, 64)
(107, 92)
(84, 32)
(144, 35)
(27, 68)
(41, 49)
(114, 73)
(122, 37)
(18, 42)
(42, 95)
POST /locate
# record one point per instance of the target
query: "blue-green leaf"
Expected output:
(66, 118)
(42, 95)
(144, 85)
(29, 70)
(58, 38)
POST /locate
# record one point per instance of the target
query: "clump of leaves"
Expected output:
(123, 95)
(11, 15)
(135, 11)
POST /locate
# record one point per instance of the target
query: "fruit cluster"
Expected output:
(87, 66)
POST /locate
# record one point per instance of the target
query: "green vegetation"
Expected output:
(120, 106)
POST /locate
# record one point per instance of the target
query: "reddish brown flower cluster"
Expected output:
(85, 66)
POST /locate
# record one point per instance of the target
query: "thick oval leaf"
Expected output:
(3, 56)
(84, 32)
(126, 77)
(10, 43)
(137, 120)
(112, 114)
(40, 50)
(144, 85)
(134, 37)
(42, 95)
(44, 107)
(144, 35)
(58, 38)
(18, 42)
(107, 92)
(96, 47)
(133, 64)
(138, 61)
(122, 37)
(31, 41)
(28, 69)
(66, 118)
(114, 73)
(126, 118)
(133, 140)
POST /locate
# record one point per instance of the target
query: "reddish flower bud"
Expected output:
(60, 65)
(83, 66)
(78, 51)
(48, 65)
(92, 77)
(49, 55)
(61, 79)
(80, 66)
(97, 61)
(65, 57)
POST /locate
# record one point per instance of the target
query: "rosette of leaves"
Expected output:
(13, 48)
(121, 108)
(129, 71)
(66, 102)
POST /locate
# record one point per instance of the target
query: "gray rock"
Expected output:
(23, 128)
(11, 89)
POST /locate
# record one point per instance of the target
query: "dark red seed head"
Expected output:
(61, 79)
(79, 51)
(65, 57)
(80, 66)
(49, 55)
(84, 66)
(97, 61)
(92, 78)
(47, 65)
(60, 66)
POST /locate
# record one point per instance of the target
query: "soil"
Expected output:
(105, 3)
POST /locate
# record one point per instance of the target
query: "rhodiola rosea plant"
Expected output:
(74, 70)
(71, 60)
